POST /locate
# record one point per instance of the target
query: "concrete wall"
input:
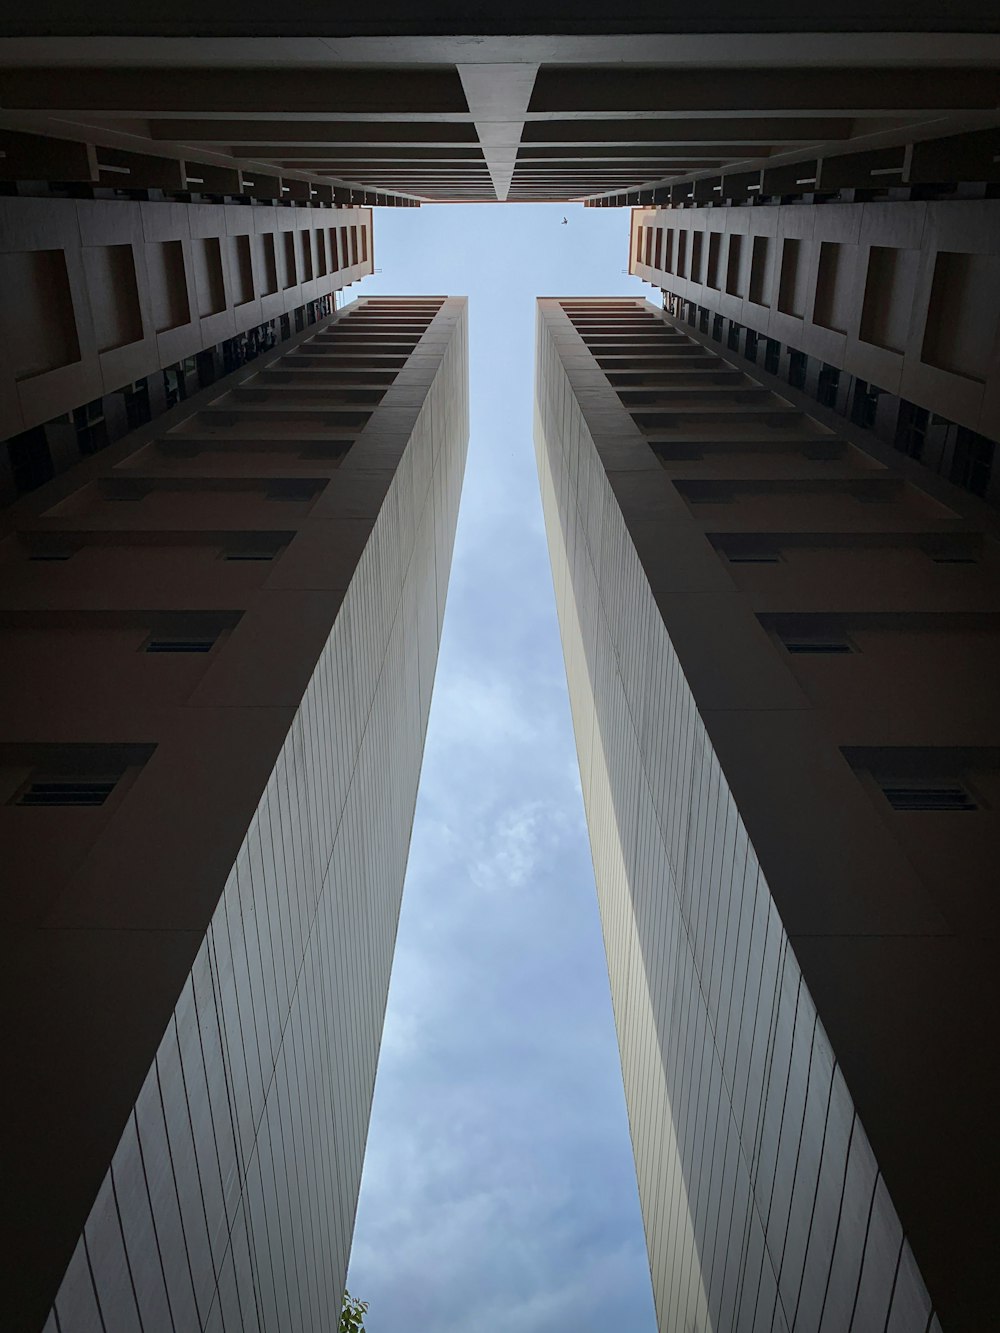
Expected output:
(98, 294)
(798, 969)
(904, 295)
(202, 960)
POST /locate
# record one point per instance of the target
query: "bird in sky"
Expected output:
(564, 221)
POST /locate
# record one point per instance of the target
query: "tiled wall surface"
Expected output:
(230, 1198)
(904, 295)
(763, 1204)
(99, 293)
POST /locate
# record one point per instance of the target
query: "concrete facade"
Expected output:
(780, 643)
(903, 296)
(101, 293)
(219, 642)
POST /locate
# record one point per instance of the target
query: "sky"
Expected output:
(499, 1191)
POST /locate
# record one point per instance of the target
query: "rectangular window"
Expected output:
(696, 247)
(60, 790)
(760, 271)
(305, 244)
(668, 250)
(948, 796)
(288, 244)
(83, 776)
(829, 644)
(171, 644)
(733, 265)
(929, 780)
(972, 462)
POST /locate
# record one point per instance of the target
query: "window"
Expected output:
(30, 459)
(827, 385)
(949, 796)
(797, 362)
(85, 776)
(865, 404)
(733, 265)
(754, 557)
(772, 356)
(823, 644)
(171, 644)
(972, 462)
(930, 780)
(911, 429)
(91, 428)
(49, 790)
(760, 274)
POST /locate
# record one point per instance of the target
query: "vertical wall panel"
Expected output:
(761, 1200)
(233, 1192)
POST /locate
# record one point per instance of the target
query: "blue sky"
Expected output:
(499, 1191)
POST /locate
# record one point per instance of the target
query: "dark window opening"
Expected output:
(205, 363)
(160, 644)
(91, 428)
(797, 362)
(772, 356)
(946, 797)
(864, 404)
(972, 462)
(50, 791)
(137, 408)
(911, 429)
(30, 459)
(796, 644)
(827, 385)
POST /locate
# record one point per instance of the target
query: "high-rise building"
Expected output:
(219, 636)
(782, 642)
(115, 309)
(888, 311)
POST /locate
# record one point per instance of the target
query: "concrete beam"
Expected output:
(360, 133)
(710, 92)
(198, 92)
(498, 96)
(759, 130)
(139, 171)
(37, 157)
(404, 26)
